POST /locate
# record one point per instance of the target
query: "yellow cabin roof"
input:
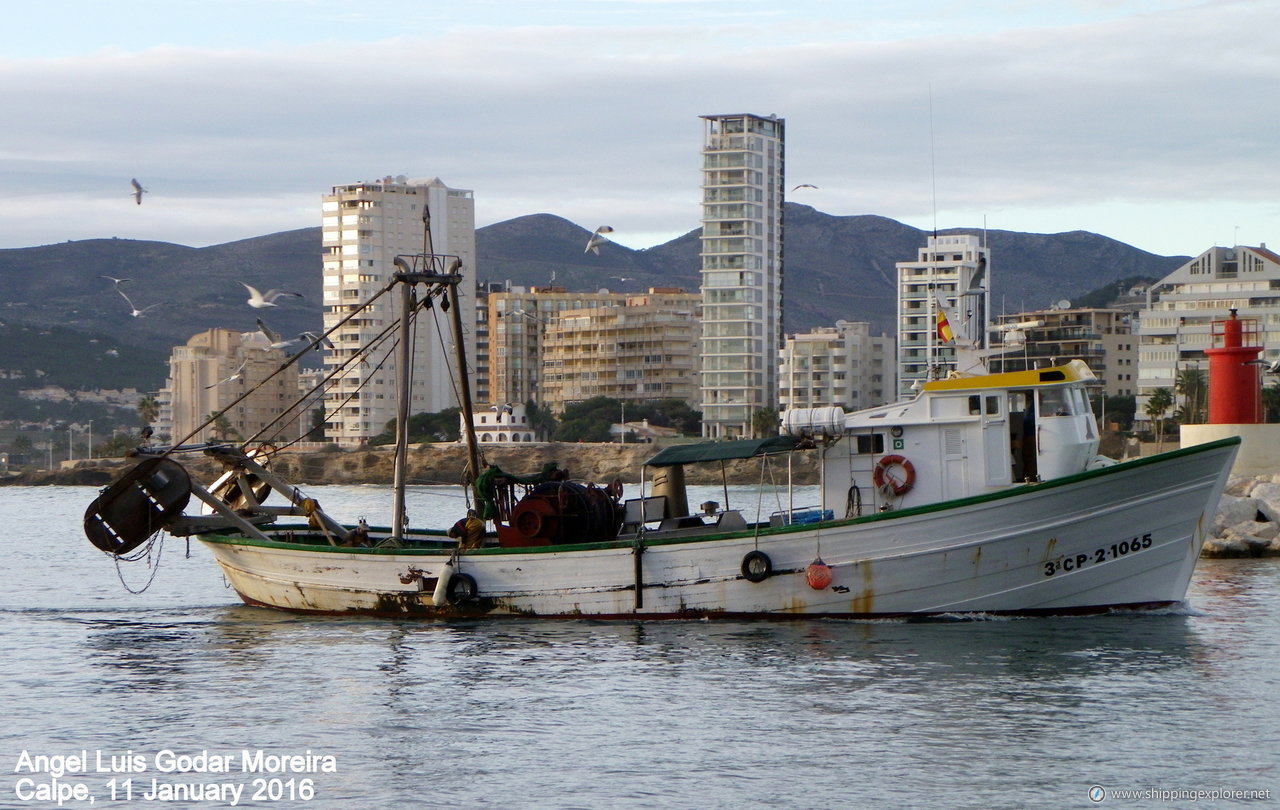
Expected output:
(1075, 371)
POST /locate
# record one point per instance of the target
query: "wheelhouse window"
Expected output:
(867, 444)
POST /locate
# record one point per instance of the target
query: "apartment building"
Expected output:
(956, 268)
(215, 369)
(645, 349)
(518, 319)
(366, 226)
(743, 184)
(1176, 326)
(1102, 338)
(841, 365)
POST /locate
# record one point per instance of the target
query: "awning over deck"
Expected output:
(723, 451)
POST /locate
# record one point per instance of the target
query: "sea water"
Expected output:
(180, 696)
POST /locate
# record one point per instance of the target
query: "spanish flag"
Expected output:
(944, 327)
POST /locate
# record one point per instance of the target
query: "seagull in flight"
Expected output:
(259, 300)
(1269, 368)
(308, 338)
(804, 185)
(133, 309)
(138, 191)
(235, 375)
(115, 280)
(597, 239)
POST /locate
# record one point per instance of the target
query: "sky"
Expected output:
(1153, 122)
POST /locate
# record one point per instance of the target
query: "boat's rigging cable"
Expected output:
(337, 370)
(289, 362)
(357, 355)
(453, 378)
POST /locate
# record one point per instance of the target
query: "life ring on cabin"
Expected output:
(756, 566)
(884, 481)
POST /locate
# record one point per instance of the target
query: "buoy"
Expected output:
(887, 482)
(818, 575)
(440, 596)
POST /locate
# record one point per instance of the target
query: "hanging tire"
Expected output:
(756, 566)
(462, 588)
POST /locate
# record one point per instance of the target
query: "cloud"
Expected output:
(601, 123)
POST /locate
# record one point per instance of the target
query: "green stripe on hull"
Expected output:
(1012, 492)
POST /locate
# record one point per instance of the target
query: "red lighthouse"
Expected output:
(1235, 394)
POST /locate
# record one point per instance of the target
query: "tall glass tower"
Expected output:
(742, 196)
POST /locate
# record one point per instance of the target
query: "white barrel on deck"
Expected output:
(829, 421)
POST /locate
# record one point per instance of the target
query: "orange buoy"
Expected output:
(818, 575)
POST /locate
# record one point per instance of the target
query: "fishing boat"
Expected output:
(984, 494)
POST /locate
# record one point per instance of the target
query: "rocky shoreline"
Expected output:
(1248, 519)
(1247, 523)
(441, 463)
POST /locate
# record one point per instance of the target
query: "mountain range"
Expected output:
(837, 267)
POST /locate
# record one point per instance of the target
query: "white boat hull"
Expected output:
(1123, 536)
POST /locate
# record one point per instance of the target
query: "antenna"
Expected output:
(933, 164)
(426, 228)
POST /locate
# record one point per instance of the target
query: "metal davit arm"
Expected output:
(235, 458)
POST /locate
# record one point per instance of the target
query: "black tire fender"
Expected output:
(462, 588)
(756, 566)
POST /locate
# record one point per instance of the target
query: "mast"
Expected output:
(444, 273)
(403, 394)
(460, 355)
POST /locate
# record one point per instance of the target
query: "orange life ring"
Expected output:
(885, 481)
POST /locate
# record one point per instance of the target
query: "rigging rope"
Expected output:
(359, 354)
(289, 362)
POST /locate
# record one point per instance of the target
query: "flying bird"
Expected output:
(597, 239)
(1269, 368)
(138, 191)
(235, 375)
(804, 185)
(115, 280)
(307, 338)
(133, 309)
(259, 300)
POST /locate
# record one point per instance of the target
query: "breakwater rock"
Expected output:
(1248, 519)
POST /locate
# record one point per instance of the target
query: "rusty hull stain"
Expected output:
(864, 601)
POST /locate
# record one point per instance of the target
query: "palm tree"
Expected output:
(764, 423)
(1191, 384)
(222, 428)
(1158, 404)
(148, 409)
(1271, 403)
